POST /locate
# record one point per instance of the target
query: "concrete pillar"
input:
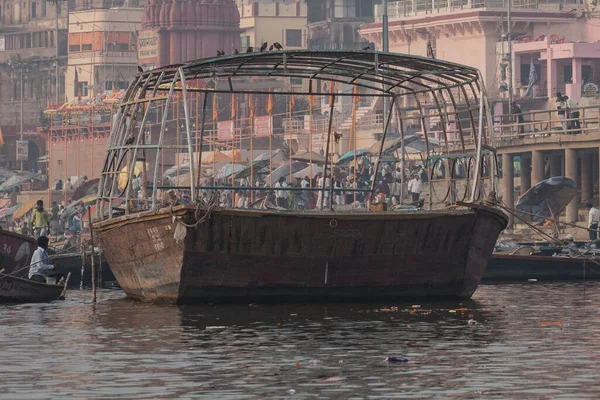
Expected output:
(525, 174)
(508, 184)
(551, 75)
(555, 165)
(537, 166)
(587, 189)
(571, 172)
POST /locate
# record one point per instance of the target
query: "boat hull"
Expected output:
(18, 290)
(519, 268)
(240, 256)
(15, 252)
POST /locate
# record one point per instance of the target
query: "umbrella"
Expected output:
(8, 211)
(137, 169)
(547, 198)
(276, 155)
(306, 157)
(16, 180)
(284, 171)
(254, 166)
(25, 208)
(306, 171)
(226, 170)
(392, 142)
(85, 189)
(183, 169)
(349, 156)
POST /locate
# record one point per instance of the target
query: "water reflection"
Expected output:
(511, 341)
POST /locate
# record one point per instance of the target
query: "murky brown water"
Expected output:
(526, 341)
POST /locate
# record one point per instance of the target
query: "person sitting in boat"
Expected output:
(40, 220)
(570, 242)
(39, 269)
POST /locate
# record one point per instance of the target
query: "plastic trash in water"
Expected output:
(393, 359)
(531, 280)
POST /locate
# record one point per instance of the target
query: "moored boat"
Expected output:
(16, 251)
(20, 290)
(189, 247)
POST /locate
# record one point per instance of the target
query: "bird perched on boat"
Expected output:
(278, 46)
(129, 141)
(250, 49)
(271, 48)
(337, 136)
(236, 51)
(366, 48)
(263, 47)
(140, 70)
(219, 53)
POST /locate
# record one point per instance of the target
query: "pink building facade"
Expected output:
(175, 31)
(472, 34)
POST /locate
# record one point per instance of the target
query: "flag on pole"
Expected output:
(1, 138)
(270, 104)
(356, 97)
(214, 107)
(292, 102)
(233, 111)
(311, 100)
(251, 106)
(532, 79)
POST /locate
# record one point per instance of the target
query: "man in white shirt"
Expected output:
(573, 115)
(593, 220)
(415, 187)
(39, 268)
(320, 195)
(281, 196)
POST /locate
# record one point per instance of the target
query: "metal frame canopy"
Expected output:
(376, 74)
(386, 74)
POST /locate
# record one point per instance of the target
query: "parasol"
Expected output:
(226, 170)
(17, 180)
(85, 189)
(349, 156)
(547, 198)
(392, 142)
(306, 157)
(284, 170)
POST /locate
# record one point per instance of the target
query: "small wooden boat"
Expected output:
(15, 252)
(21, 290)
(526, 263)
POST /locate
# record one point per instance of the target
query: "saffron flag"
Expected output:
(233, 111)
(270, 104)
(292, 102)
(214, 107)
(311, 101)
(1, 138)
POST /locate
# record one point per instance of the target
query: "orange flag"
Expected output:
(311, 100)
(215, 111)
(251, 106)
(232, 106)
(270, 104)
(356, 97)
(1, 138)
(292, 102)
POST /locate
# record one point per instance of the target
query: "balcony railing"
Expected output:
(408, 8)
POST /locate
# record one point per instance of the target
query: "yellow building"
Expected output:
(282, 21)
(102, 52)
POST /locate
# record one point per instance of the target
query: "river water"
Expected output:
(511, 341)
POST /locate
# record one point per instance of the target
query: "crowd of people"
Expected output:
(304, 193)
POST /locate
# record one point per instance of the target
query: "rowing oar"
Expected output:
(64, 291)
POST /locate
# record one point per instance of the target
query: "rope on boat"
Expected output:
(204, 207)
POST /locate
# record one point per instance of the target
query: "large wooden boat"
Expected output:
(21, 290)
(16, 251)
(255, 255)
(208, 252)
